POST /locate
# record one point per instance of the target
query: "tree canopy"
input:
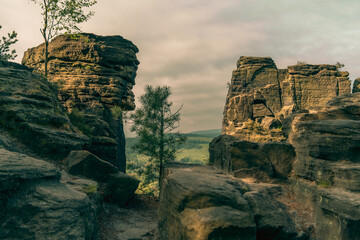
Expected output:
(61, 15)
(5, 53)
(155, 124)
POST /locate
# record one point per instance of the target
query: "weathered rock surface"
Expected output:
(263, 161)
(29, 111)
(115, 186)
(35, 205)
(120, 188)
(260, 91)
(92, 71)
(85, 164)
(356, 86)
(95, 74)
(327, 145)
(201, 203)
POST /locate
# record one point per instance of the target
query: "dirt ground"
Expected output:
(136, 221)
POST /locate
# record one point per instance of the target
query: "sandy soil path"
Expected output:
(137, 221)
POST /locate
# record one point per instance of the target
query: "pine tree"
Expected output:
(5, 53)
(155, 123)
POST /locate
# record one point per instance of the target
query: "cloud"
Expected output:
(193, 46)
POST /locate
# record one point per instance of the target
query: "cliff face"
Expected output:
(29, 111)
(37, 199)
(305, 188)
(262, 94)
(93, 72)
(320, 161)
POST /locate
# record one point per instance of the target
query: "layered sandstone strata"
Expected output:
(260, 95)
(92, 71)
(95, 75)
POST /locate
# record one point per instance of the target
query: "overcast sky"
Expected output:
(193, 45)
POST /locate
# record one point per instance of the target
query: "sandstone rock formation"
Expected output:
(259, 90)
(114, 186)
(29, 111)
(95, 74)
(200, 203)
(323, 174)
(327, 166)
(241, 158)
(37, 200)
(310, 107)
(34, 204)
(356, 86)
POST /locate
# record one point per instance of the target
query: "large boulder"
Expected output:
(263, 161)
(86, 164)
(260, 92)
(115, 186)
(327, 142)
(34, 204)
(195, 203)
(120, 188)
(198, 203)
(273, 221)
(29, 112)
(327, 145)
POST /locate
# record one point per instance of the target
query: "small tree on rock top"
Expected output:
(154, 123)
(61, 15)
(5, 53)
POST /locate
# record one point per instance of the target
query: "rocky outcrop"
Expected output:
(95, 75)
(263, 161)
(30, 112)
(327, 143)
(259, 90)
(356, 86)
(37, 200)
(327, 165)
(199, 203)
(120, 188)
(85, 164)
(93, 72)
(34, 204)
(115, 186)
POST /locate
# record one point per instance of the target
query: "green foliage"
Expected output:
(117, 112)
(154, 123)
(78, 119)
(194, 151)
(323, 183)
(339, 65)
(301, 63)
(90, 189)
(62, 15)
(5, 53)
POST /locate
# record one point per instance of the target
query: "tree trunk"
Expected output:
(161, 153)
(121, 143)
(46, 57)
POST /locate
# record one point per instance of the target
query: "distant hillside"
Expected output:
(194, 150)
(206, 133)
